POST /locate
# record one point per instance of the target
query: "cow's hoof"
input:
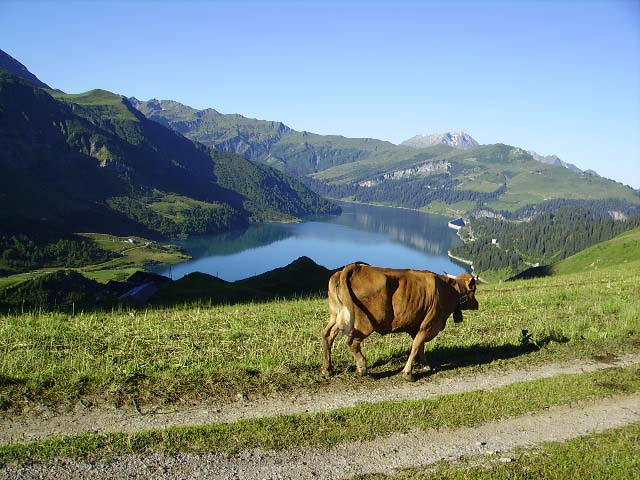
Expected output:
(426, 368)
(326, 372)
(407, 377)
(361, 371)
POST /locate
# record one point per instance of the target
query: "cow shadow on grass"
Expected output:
(451, 358)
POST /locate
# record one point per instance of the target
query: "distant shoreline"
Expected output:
(460, 259)
(389, 206)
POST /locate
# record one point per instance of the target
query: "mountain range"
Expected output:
(443, 173)
(269, 142)
(555, 160)
(99, 161)
(92, 162)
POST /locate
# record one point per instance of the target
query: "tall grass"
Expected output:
(182, 353)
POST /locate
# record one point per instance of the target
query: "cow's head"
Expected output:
(467, 287)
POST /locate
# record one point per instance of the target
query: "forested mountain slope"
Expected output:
(91, 162)
(503, 249)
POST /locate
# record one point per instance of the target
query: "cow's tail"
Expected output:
(346, 316)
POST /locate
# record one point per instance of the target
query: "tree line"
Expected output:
(549, 237)
(21, 252)
(410, 192)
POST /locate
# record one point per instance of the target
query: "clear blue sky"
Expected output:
(559, 77)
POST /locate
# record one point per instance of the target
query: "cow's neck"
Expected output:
(462, 291)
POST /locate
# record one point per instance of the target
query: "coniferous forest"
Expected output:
(548, 237)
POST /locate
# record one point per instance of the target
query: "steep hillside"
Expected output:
(620, 250)
(43, 176)
(14, 66)
(91, 162)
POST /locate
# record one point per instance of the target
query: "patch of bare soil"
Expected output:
(46, 423)
(382, 455)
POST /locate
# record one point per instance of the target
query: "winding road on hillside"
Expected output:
(381, 455)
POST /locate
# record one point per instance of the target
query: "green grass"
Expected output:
(623, 249)
(115, 274)
(478, 185)
(174, 206)
(612, 455)
(132, 257)
(98, 98)
(361, 422)
(449, 209)
(13, 280)
(138, 254)
(171, 354)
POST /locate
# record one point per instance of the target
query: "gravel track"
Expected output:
(46, 423)
(382, 455)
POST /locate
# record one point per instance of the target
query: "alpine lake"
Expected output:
(381, 236)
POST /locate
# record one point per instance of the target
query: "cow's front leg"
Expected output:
(416, 347)
(354, 340)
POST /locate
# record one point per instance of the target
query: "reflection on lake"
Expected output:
(380, 236)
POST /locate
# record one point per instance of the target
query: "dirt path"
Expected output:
(46, 424)
(382, 455)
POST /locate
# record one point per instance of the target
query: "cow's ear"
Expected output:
(471, 284)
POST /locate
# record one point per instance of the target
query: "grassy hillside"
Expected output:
(500, 178)
(117, 258)
(22, 250)
(619, 251)
(302, 277)
(165, 354)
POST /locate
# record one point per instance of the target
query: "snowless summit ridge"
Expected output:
(460, 140)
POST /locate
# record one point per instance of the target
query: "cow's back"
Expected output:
(391, 300)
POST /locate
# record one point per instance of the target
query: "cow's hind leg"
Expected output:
(422, 359)
(416, 347)
(328, 336)
(354, 340)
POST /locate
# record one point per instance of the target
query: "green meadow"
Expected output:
(198, 351)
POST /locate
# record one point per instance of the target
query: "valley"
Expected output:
(109, 369)
(500, 179)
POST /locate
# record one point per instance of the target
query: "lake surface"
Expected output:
(381, 236)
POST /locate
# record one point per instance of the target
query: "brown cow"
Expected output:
(365, 299)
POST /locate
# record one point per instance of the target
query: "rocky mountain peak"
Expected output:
(459, 140)
(553, 160)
